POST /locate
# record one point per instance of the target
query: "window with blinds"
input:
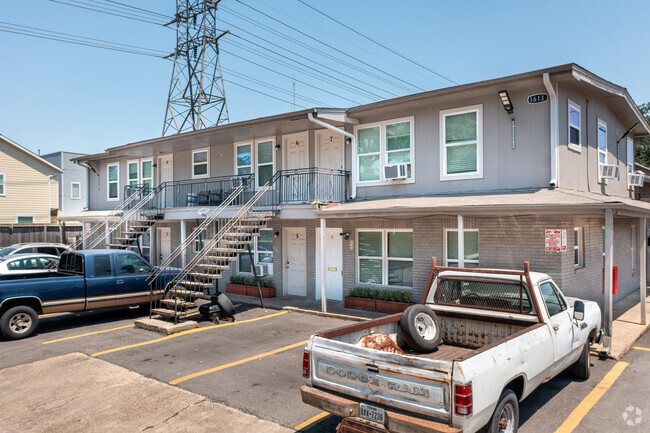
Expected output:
(461, 143)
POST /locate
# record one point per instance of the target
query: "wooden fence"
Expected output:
(22, 233)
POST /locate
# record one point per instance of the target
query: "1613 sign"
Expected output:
(538, 98)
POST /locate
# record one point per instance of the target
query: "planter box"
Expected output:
(360, 303)
(240, 289)
(391, 307)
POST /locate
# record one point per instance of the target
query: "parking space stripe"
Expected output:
(87, 334)
(189, 331)
(311, 421)
(592, 398)
(233, 364)
(641, 348)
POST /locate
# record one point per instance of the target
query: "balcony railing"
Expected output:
(305, 185)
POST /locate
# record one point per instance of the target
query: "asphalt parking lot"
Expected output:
(254, 363)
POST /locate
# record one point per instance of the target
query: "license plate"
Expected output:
(372, 413)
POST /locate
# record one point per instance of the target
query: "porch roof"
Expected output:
(508, 202)
(88, 215)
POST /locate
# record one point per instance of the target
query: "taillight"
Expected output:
(463, 399)
(305, 364)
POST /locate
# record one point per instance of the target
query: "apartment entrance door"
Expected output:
(166, 174)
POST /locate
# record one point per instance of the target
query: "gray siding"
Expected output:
(579, 169)
(71, 173)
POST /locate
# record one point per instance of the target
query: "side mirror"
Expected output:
(579, 310)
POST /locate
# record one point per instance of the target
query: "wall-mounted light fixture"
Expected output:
(277, 145)
(346, 235)
(505, 100)
(276, 234)
(348, 140)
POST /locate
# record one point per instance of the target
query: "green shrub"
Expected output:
(236, 279)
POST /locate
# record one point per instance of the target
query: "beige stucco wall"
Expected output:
(26, 186)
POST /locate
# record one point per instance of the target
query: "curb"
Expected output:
(332, 315)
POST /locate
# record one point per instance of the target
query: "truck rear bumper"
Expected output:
(395, 422)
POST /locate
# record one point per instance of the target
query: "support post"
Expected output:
(107, 237)
(323, 270)
(642, 246)
(609, 263)
(461, 242)
(250, 255)
(183, 238)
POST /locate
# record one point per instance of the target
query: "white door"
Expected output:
(296, 151)
(295, 260)
(164, 243)
(330, 150)
(166, 174)
(333, 264)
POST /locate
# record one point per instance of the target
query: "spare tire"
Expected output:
(227, 309)
(421, 328)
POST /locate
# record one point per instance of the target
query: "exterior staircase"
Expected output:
(234, 227)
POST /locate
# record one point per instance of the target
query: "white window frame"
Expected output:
(573, 146)
(478, 109)
(137, 172)
(26, 216)
(72, 184)
(383, 151)
(254, 163)
(255, 251)
(3, 193)
(207, 163)
(598, 124)
(257, 163)
(384, 257)
(630, 146)
(446, 249)
(579, 246)
(141, 171)
(108, 181)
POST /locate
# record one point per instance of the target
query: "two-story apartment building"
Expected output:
(28, 185)
(73, 181)
(529, 167)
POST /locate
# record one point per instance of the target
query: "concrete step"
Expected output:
(204, 275)
(211, 267)
(184, 293)
(168, 314)
(118, 246)
(194, 285)
(225, 250)
(177, 303)
(223, 259)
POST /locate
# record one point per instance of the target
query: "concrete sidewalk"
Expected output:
(77, 393)
(626, 328)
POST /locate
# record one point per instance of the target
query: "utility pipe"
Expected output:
(554, 128)
(311, 117)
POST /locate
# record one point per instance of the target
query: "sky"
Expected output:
(58, 96)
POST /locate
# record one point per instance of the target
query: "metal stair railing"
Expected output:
(209, 219)
(264, 199)
(101, 225)
(128, 215)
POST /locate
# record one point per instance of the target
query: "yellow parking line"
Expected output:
(190, 331)
(88, 333)
(592, 398)
(233, 364)
(312, 420)
(640, 348)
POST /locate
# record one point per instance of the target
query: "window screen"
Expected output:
(494, 295)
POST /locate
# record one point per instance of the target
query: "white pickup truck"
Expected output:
(503, 333)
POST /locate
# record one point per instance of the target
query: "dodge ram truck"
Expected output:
(84, 281)
(502, 334)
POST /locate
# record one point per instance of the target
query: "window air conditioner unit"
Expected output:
(608, 171)
(397, 171)
(262, 270)
(635, 179)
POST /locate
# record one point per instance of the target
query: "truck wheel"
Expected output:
(421, 328)
(581, 368)
(227, 309)
(506, 415)
(18, 322)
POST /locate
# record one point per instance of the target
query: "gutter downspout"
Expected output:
(554, 129)
(353, 180)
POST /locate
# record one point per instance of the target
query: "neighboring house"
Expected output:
(73, 182)
(535, 173)
(28, 185)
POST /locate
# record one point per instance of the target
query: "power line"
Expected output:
(106, 12)
(262, 93)
(377, 43)
(141, 9)
(328, 45)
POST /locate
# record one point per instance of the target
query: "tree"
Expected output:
(642, 145)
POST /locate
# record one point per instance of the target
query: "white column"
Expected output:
(461, 242)
(323, 270)
(609, 263)
(183, 237)
(642, 245)
(107, 237)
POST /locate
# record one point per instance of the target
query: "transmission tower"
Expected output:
(197, 98)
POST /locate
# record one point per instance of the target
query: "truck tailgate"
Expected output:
(410, 383)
